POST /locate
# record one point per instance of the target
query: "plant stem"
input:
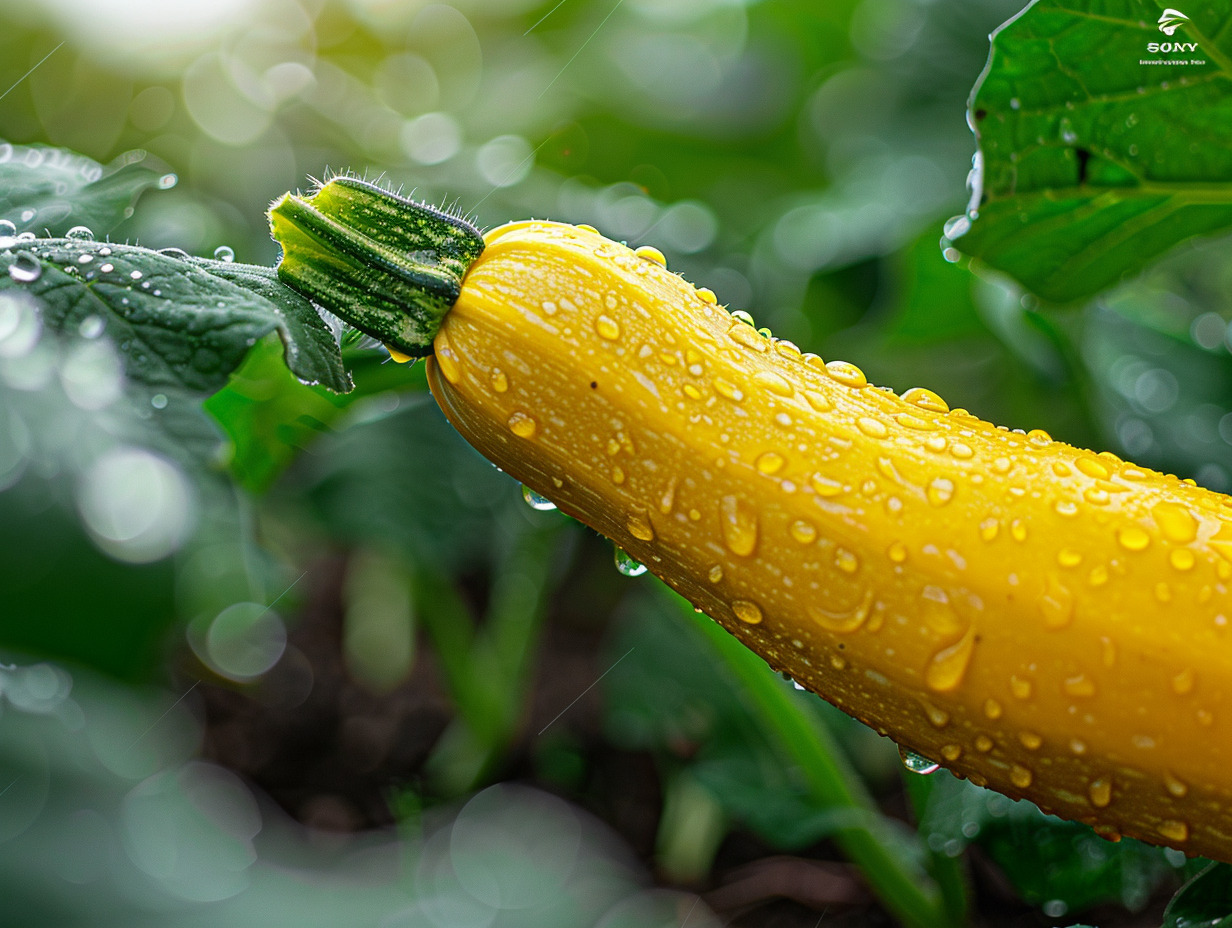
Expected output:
(890, 865)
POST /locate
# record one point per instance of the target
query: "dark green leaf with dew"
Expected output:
(1097, 154)
(48, 191)
(178, 322)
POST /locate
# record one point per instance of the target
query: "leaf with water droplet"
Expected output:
(1082, 178)
(51, 190)
(192, 329)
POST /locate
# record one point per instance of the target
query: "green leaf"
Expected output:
(1094, 161)
(1203, 902)
(49, 190)
(178, 322)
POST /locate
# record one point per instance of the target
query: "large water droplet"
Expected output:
(948, 666)
(940, 491)
(446, 358)
(747, 612)
(80, 234)
(744, 334)
(25, 268)
(1056, 604)
(1133, 538)
(925, 399)
(771, 462)
(843, 622)
(873, 428)
(825, 486)
(224, 253)
(738, 522)
(1099, 791)
(626, 564)
(1020, 776)
(1176, 522)
(608, 328)
(955, 226)
(638, 525)
(773, 383)
(803, 532)
(1174, 830)
(499, 380)
(917, 763)
(535, 501)
(652, 254)
(522, 425)
(846, 373)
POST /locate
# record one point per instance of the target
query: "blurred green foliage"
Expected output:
(346, 566)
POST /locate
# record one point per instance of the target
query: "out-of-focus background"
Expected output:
(355, 679)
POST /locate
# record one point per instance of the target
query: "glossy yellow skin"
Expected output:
(1042, 620)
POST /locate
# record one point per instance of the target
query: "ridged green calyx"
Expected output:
(387, 265)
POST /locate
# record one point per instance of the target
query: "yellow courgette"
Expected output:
(1043, 620)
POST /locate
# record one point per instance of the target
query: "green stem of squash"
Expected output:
(889, 865)
(390, 267)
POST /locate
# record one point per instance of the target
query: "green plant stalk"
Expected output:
(488, 672)
(909, 894)
(948, 872)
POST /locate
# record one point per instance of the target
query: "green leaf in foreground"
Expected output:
(47, 191)
(1203, 902)
(1096, 154)
(178, 322)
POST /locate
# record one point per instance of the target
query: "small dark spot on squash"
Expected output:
(594, 385)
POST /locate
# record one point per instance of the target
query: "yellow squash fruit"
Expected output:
(1043, 620)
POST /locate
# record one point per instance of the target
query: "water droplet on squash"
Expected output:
(1175, 522)
(773, 383)
(825, 486)
(626, 564)
(1030, 740)
(1174, 830)
(1182, 559)
(1079, 685)
(1093, 467)
(843, 622)
(1183, 683)
(983, 744)
(803, 532)
(925, 399)
(846, 373)
(1068, 557)
(845, 561)
(951, 752)
(771, 462)
(873, 428)
(608, 328)
(897, 552)
(917, 763)
(1099, 791)
(1056, 604)
(727, 389)
(992, 708)
(948, 666)
(638, 525)
(1133, 538)
(446, 358)
(989, 529)
(1018, 529)
(535, 501)
(499, 379)
(715, 573)
(746, 335)
(940, 491)
(818, 401)
(521, 424)
(738, 522)
(706, 295)
(652, 254)
(1020, 687)
(1020, 776)
(1176, 786)
(747, 612)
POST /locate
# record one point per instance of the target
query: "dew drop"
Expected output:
(738, 521)
(80, 234)
(846, 373)
(825, 486)
(949, 665)
(773, 383)
(747, 612)
(1068, 557)
(91, 326)
(845, 561)
(715, 574)
(7, 229)
(521, 424)
(983, 744)
(956, 226)
(1018, 529)
(1020, 687)
(992, 708)
(940, 491)
(771, 462)
(1133, 538)
(937, 717)
(1174, 830)
(1176, 522)
(1056, 604)
(818, 401)
(1079, 685)
(499, 380)
(844, 623)
(803, 532)
(1182, 559)
(989, 529)
(1174, 785)
(608, 328)
(897, 552)
(638, 525)
(1030, 740)
(535, 501)
(652, 254)
(917, 763)
(706, 295)
(873, 428)
(626, 564)
(951, 752)
(925, 399)
(85, 258)
(727, 389)
(25, 268)
(135, 275)
(1183, 683)
(224, 253)
(746, 335)
(908, 421)
(668, 500)
(1020, 776)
